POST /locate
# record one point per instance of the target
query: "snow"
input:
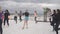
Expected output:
(33, 28)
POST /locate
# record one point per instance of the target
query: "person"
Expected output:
(35, 15)
(49, 14)
(57, 21)
(6, 17)
(20, 15)
(53, 19)
(15, 17)
(26, 19)
(1, 14)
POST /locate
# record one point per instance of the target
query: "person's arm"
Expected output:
(52, 14)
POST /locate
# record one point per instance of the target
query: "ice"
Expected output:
(33, 28)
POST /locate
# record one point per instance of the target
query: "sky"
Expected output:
(35, 1)
(31, 5)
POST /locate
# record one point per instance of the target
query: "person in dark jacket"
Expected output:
(20, 15)
(53, 19)
(15, 17)
(57, 21)
(26, 19)
(6, 17)
(1, 14)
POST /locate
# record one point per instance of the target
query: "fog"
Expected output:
(13, 6)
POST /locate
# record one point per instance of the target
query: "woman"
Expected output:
(35, 15)
(26, 19)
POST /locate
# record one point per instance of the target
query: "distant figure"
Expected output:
(35, 15)
(26, 19)
(53, 19)
(49, 14)
(1, 14)
(6, 17)
(20, 15)
(15, 17)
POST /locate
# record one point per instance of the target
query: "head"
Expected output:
(6, 11)
(54, 11)
(58, 11)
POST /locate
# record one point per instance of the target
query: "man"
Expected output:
(53, 19)
(6, 17)
(57, 21)
(20, 15)
(15, 17)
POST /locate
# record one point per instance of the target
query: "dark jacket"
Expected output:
(26, 14)
(6, 15)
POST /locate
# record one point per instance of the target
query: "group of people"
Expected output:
(4, 18)
(26, 14)
(55, 20)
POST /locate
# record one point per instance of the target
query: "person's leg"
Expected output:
(0, 26)
(56, 32)
(16, 19)
(53, 27)
(24, 22)
(1, 31)
(4, 21)
(50, 20)
(24, 25)
(35, 20)
(27, 22)
(20, 18)
(56, 29)
(7, 22)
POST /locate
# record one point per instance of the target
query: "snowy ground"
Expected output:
(39, 28)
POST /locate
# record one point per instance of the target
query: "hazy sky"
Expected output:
(35, 1)
(31, 5)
